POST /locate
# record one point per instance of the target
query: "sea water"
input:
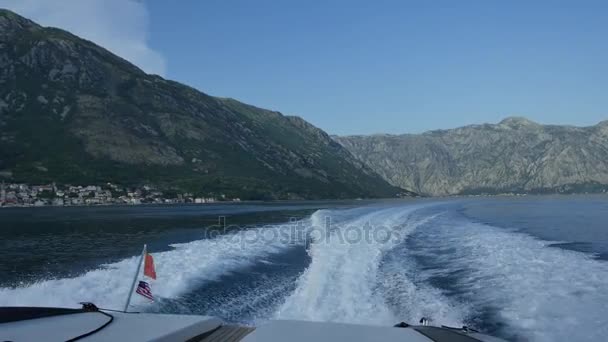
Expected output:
(528, 268)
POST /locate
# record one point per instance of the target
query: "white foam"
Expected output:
(254, 304)
(540, 292)
(413, 299)
(184, 266)
(342, 282)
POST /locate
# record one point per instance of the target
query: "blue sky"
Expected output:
(360, 67)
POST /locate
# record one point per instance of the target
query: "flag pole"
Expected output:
(141, 258)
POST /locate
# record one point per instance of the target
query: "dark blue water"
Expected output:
(52, 242)
(578, 222)
(526, 268)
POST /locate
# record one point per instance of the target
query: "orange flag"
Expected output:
(149, 267)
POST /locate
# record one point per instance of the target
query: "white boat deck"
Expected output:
(51, 324)
(300, 331)
(124, 327)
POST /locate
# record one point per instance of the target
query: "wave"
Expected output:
(531, 290)
(434, 264)
(178, 270)
(344, 282)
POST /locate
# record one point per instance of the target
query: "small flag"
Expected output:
(144, 289)
(149, 267)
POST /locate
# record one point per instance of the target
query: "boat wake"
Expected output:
(517, 286)
(345, 281)
(379, 264)
(179, 270)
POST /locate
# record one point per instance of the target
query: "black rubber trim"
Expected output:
(21, 313)
(95, 330)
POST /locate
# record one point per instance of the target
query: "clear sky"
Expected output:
(359, 67)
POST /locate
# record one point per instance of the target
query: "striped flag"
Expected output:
(144, 289)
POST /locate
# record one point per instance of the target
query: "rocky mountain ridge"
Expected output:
(72, 112)
(516, 155)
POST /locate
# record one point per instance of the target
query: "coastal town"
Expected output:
(25, 195)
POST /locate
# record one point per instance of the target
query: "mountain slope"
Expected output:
(72, 112)
(516, 155)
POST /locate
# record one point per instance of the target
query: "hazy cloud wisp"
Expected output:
(120, 26)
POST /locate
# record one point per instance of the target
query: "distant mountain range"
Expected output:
(513, 156)
(72, 112)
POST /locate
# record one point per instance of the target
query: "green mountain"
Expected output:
(72, 112)
(515, 155)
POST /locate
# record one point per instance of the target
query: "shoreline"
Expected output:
(286, 201)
